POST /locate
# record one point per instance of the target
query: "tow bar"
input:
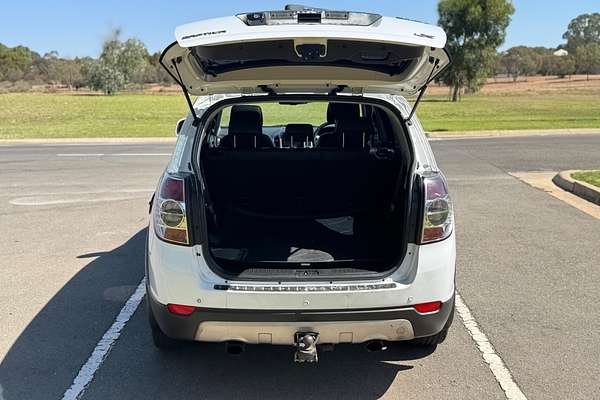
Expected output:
(306, 347)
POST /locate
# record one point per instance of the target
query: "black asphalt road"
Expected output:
(73, 219)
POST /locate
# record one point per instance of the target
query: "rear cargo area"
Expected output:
(260, 240)
(281, 211)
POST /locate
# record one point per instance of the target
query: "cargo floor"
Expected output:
(292, 243)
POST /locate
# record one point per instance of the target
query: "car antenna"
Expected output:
(422, 91)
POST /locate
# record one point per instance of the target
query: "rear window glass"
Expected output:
(276, 114)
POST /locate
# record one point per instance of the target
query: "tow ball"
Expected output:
(306, 347)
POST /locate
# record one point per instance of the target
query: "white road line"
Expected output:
(80, 154)
(31, 201)
(111, 154)
(140, 154)
(65, 193)
(37, 144)
(493, 360)
(89, 369)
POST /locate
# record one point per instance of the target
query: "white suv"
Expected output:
(302, 204)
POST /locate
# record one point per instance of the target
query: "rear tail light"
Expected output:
(437, 211)
(170, 219)
(425, 308)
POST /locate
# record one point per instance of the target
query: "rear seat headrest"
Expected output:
(353, 126)
(299, 131)
(339, 111)
(302, 134)
(245, 119)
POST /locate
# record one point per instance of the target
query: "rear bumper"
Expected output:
(279, 326)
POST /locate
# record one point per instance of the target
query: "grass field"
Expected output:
(62, 116)
(591, 177)
(33, 115)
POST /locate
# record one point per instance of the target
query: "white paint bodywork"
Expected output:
(231, 29)
(180, 275)
(429, 40)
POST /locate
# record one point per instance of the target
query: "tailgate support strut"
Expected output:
(414, 108)
(422, 91)
(185, 91)
(181, 84)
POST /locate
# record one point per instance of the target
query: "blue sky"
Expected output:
(77, 28)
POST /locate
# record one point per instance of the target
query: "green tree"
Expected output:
(561, 66)
(496, 65)
(475, 29)
(119, 64)
(521, 61)
(582, 30)
(587, 58)
(159, 74)
(15, 62)
(67, 72)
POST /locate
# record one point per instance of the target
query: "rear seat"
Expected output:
(245, 129)
(341, 176)
(275, 182)
(350, 132)
(296, 136)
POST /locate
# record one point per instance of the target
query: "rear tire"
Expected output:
(160, 340)
(434, 340)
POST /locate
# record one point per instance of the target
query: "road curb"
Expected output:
(582, 189)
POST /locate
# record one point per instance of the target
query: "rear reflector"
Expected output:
(428, 307)
(180, 309)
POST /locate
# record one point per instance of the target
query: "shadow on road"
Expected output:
(45, 358)
(47, 355)
(265, 372)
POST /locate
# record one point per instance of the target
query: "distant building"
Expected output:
(561, 53)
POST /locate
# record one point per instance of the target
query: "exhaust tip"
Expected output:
(234, 348)
(376, 345)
